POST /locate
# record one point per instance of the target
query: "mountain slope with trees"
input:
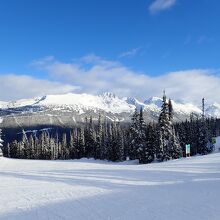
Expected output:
(114, 141)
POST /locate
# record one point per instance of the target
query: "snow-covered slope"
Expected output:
(214, 110)
(24, 102)
(155, 104)
(71, 108)
(185, 108)
(94, 190)
(156, 101)
(3, 104)
(107, 102)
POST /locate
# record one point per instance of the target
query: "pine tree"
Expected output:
(91, 141)
(165, 131)
(105, 138)
(121, 144)
(86, 136)
(1, 141)
(52, 149)
(202, 137)
(31, 143)
(72, 145)
(170, 107)
(64, 148)
(13, 149)
(99, 139)
(25, 146)
(117, 143)
(81, 142)
(169, 145)
(47, 148)
(151, 143)
(41, 145)
(110, 144)
(141, 140)
(175, 147)
(134, 134)
(36, 147)
(8, 150)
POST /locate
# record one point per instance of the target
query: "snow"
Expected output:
(185, 108)
(155, 101)
(24, 102)
(1, 141)
(134, 102)
(3, 104)
(214, 110)
(107, 102)
(84, 189)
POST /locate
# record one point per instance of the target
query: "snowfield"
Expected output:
(187, 188)
(107, 102)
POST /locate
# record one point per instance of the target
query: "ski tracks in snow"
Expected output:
(96, 190)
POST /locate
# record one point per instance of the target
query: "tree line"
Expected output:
(113, 141)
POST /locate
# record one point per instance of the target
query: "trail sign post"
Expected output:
(188, 150)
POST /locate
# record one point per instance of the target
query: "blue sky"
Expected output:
(148, 38)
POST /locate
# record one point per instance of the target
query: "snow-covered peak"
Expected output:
(155, 104)
(134, 102)
(3, 104)
(186, 108)
(155, 101)
(213, 110)
(107, 102)
(108, 95)
(24, 102)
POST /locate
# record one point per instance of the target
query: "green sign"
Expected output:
(187, 148)
(213, 141)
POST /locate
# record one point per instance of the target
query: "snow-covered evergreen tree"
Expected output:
(105, 138)
(203, 138)
(169, 145)
(134, 135)
(91, 139)
(80, 143)
(151, 143)
(175, 150)
(118, 143)
(1, 143)
(142, 150)
(165, 131)
(72, 144)
(110, 143)
(99, 139)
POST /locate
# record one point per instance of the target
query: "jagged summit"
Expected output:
(154, 100)
(72, 108)
(213, 110)
(108, 95)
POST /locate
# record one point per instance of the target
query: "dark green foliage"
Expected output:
(169, 145)
(111, 140)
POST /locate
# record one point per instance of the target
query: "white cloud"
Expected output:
(95, 75)
(15, 87)
(130, 53)
(161, 5)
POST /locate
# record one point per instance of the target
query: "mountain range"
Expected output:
(70, 109)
